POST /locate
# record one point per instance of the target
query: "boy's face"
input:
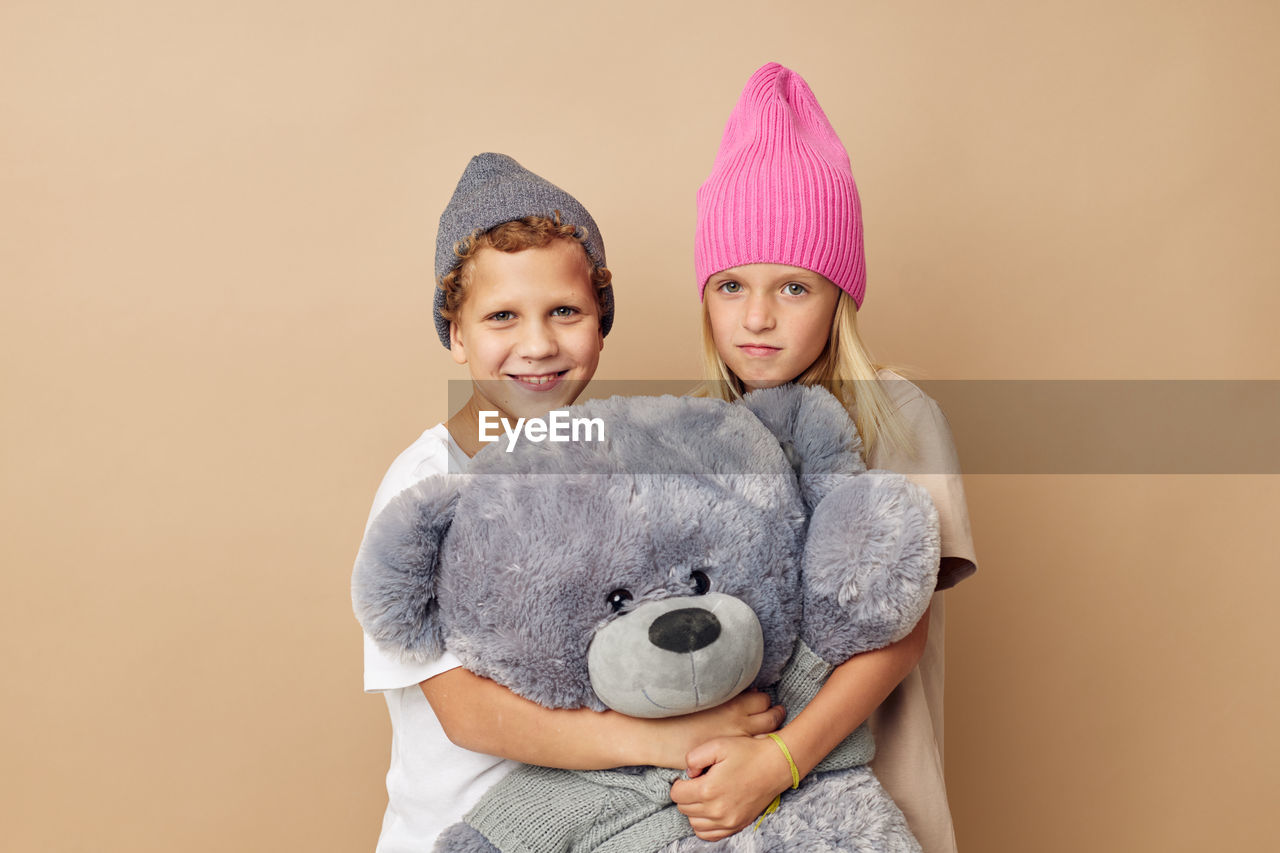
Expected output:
(529, 328)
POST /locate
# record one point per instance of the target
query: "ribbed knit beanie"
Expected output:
(781, 190)
(495, 189)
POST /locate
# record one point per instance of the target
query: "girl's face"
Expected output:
(769, 321)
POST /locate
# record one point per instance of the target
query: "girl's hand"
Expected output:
(747, 714)
(732, 781)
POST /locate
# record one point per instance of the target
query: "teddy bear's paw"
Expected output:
(394, 583)
(870, 565)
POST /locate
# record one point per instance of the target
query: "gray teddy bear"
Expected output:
(700, 548)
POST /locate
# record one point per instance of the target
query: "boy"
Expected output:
(524, 300)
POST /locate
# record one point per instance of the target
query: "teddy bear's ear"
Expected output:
(393, 585)
(815, 432)
(870, 565)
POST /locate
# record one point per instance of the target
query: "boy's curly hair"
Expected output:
(529, 232)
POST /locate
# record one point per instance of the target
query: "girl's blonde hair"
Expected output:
(844, 368)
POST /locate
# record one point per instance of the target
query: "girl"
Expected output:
(781, 274)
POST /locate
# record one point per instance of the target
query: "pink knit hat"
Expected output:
(781, 190)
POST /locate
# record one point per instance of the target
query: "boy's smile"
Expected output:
(528, 330)
(540, 382)
(770, 322)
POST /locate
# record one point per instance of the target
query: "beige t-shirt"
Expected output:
(908, 724)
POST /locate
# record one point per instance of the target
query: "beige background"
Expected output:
(216, 233)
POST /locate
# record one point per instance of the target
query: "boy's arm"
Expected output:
(741, 776)
(483, 716)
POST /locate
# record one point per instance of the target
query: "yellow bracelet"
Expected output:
(795, 780)
(795, 771)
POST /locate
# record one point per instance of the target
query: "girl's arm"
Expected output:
(483, 716)
(738, 777)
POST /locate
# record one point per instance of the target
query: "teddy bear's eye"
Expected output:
(701, 583)
(618, 599)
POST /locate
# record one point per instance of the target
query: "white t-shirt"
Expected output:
(432, 783)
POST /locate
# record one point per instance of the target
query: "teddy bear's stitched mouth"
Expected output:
(651, 702)
(737, 678)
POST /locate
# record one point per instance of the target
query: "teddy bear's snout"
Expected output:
(685, 630)
(671, 656)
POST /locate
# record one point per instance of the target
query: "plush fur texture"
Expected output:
(461, 838)
(815, 433)
(518, 565)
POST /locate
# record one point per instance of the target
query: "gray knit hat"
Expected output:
(495, 189)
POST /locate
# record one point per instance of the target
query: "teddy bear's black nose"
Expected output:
(685, 630)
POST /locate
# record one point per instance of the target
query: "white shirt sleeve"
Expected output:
(383, 672)
(426, 457)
